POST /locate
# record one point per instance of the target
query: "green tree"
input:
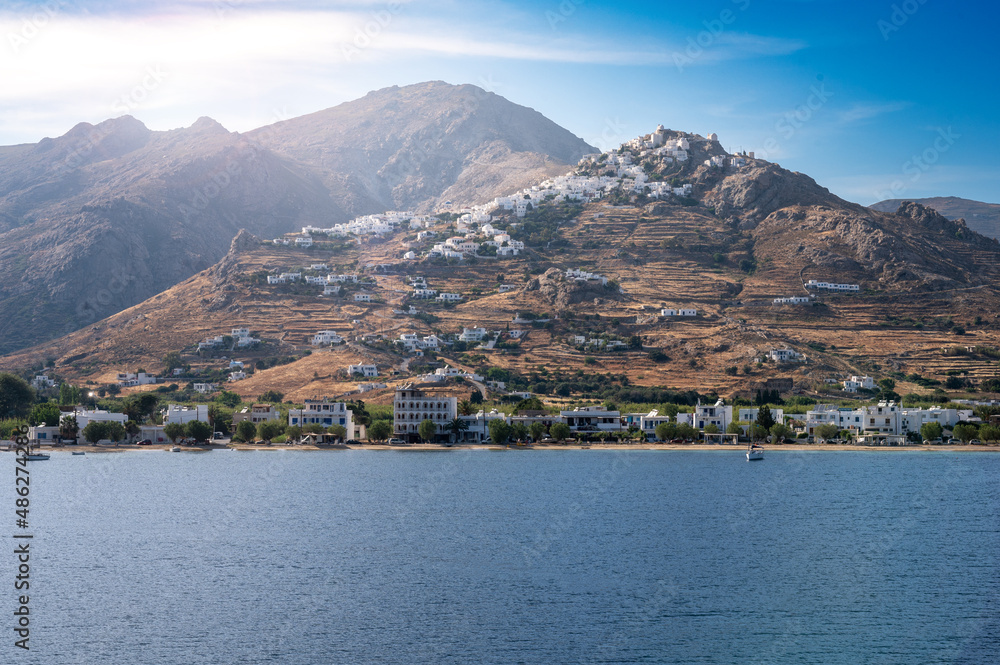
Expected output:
(476, 398)
(764, 417)
(228, 398)
(529, 404)
(116, 432)
(989, 433)
(360, 412)
(68, 394)
(757, 432)
(45, 414)
(457, 426)
(246, 431)
(734, 428)
(95, 431)
(537, 431)
(271, 396)
(965, 432)
(781, 431)
(132, 429)
(140, 406)
(269, 430)
(427, 430)
(338, 431)
(666, 431)
(380, 430)
(173, 431)
(465, 408)
(499, 432)
(931, 431)
(313, 428)
(560, 431)
(826, 431)
(293, 432)
(172, 361)
(16, 396)
(69, 428)
(518, 431)
(198, 430)
(711, 428)
(686, 431)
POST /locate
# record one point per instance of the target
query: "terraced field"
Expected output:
(664, 256)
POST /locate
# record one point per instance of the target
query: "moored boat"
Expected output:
(755, 452)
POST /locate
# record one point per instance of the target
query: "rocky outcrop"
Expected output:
(750, 194)
(981, 217)
(553, 288)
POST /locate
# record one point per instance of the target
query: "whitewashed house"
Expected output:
(364, 370)
(855, 383)
(786, 356)
(324, 337)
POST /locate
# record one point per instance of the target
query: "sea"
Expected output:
(505, 556)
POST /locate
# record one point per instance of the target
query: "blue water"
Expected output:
(509, 557)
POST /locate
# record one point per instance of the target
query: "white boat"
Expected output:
(175, 449)
(755, 453)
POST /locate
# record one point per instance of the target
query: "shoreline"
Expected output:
(428, 447)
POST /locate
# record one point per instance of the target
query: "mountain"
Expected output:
(418, 146)
(748, 232)
(108, 215)
(980, 217)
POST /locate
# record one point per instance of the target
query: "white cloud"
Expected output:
(866, 111)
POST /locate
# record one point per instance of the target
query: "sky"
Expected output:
(873, 99)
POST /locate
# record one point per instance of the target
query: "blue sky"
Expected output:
(874, 100)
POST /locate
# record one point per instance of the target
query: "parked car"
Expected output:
(396, 442)
(975, 442)
(144, 442)
(217, 435)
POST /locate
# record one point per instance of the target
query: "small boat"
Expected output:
(175, 449)
(755, 452)
(37, 457)
(76, 453)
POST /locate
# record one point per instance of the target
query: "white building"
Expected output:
(472, 335)
(364, 370)
(719, 414)
(449, 297)
(750, 415)
(83, 417)
(793, 300)
(237, 376)
(324, 337)
(414, 405)
(325, 414)
(128, 379)
(592, 419)
(180, 415)
(786, 356)
(42, 381)
(258, 413)
(204, 387)
(362, 297)
(830, 286)
(856, 383)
